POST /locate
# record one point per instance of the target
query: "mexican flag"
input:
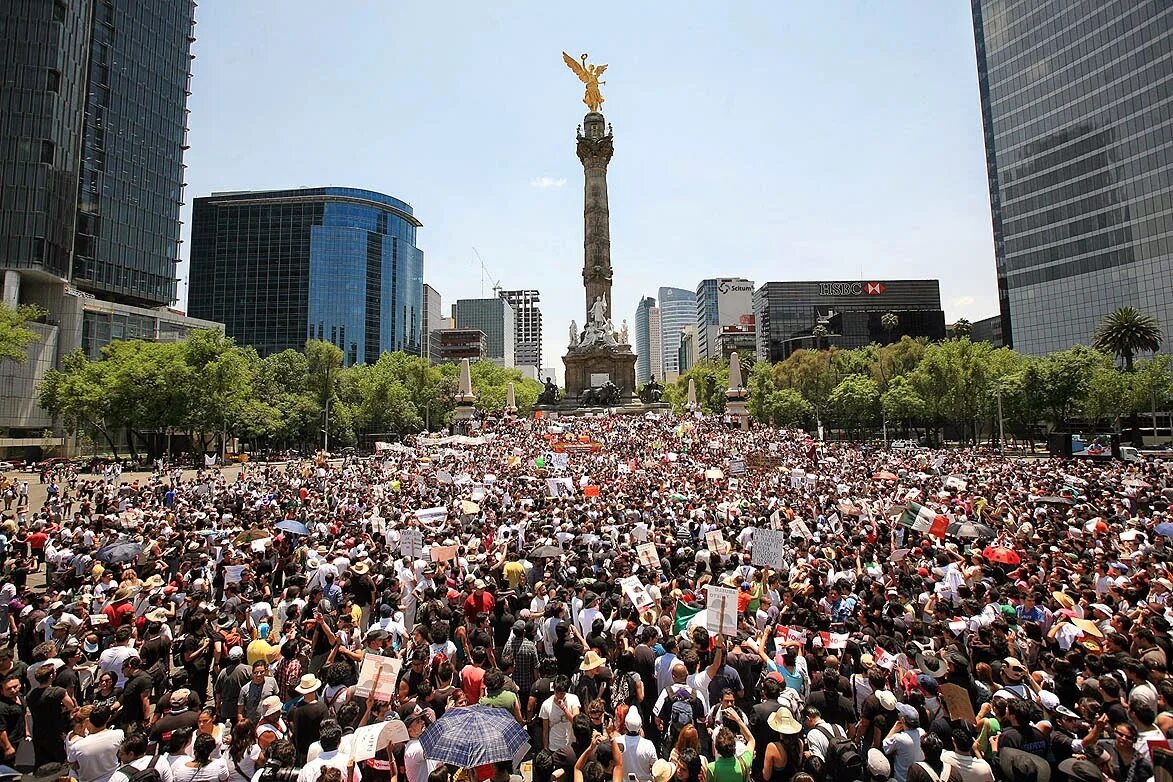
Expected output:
(917, 517)
(684, 614)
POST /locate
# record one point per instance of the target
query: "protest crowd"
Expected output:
(599, 599)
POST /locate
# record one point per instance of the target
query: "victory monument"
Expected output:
(600, 367)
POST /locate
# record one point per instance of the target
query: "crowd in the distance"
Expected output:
(1021, 633)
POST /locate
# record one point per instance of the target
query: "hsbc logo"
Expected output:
(850, 288)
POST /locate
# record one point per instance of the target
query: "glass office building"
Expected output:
(677, 310)
(281, 267)
(786, 314)
(497, 319)
(643, 339)
(1078, 119)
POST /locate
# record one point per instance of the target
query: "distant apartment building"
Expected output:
(433, 321)
(527, 327)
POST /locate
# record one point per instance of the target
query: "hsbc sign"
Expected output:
(851, 288)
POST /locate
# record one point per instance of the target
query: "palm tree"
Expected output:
(820, 333)
(962, 329)
(1126, 332)
(890, 321)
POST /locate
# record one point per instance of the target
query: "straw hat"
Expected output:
(1063, 599)
(360, 568)
(309, 683)
(271, 705)
(1088, 626)
(663, 770)
(783, 722)
(592, 661)
(650, 616)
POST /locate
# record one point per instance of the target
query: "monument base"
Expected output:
(593, 368)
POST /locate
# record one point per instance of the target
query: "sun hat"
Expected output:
(360, 568)
(180, 698)
(1019, 766)
(1088, 626)
(1064, 600)
(932, 665)
(1079, 770)
(235, 653)
(887, 699)
(271, 705)
(783, 722)
(878, 764)
(591, 661)
(309, 683)
(663, 770)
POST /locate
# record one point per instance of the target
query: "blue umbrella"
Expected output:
(1165, 528)
(116, 553)
(293, 527)
(472, 736)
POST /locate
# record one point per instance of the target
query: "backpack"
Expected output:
(679, 710)
(843, 758)
(148, 774)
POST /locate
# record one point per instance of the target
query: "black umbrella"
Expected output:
(546, 552)
(122, 551)
(1055, 500)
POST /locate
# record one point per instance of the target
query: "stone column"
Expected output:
(594, 150)
(465, 398)
(737, 394)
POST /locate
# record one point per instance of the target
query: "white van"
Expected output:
(1129, 454)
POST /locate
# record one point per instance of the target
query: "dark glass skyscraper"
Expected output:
(279, 267)
(1078, 114)
(93, 103)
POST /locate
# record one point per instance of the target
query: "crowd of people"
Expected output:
(211, 626)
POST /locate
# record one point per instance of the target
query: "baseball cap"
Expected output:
(878, 765)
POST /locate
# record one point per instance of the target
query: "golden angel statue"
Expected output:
(588, 75)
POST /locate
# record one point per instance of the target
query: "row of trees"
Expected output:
(208, 390)
(912, 385)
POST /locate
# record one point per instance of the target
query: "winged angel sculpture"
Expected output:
(588, 75)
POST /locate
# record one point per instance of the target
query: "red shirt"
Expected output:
(120, 614)
(37, 540)
(474, 605)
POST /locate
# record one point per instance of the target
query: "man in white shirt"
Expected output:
(96, 755)
(416, 765)
(132, 754)
(330, 737)
(113, 658)
(637, 752)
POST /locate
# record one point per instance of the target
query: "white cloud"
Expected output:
(547, 182)
(964, 301)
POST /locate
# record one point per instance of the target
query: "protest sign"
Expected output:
(883, 658)
(721, 610)
(559, 487)
(369, 740)
(232, 573)
(636, 592)
(797, 478)
(432, 515)
(763, 460)
(956, 483)
(647, 554)
(442, 553)
(411, 542)
(736, 466)
(834, 640)
(799, 529)
(769, 547)
(377, 676)
(957, 701)
(715, 541)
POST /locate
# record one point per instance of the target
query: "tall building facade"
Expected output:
(432, 321)
(495, 317)
(527, 324)
(787, 313)
(279, 267)
(1077, 106)
(677, 310)
(93, 108)
(725, 301)
(643, 339)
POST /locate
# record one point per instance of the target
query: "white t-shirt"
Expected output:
(561, 733)
(96, 755)
(161, 765)
(112, 659)
(415, 763)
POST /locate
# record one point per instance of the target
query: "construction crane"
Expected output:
(485, 273)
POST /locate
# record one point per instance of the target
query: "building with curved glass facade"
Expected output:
(280, 267)
(1077, 104)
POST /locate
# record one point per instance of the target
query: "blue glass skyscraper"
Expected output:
(281, 267)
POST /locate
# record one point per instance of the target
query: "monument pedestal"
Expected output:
(594, 367)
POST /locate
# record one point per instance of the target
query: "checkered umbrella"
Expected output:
(473, 736)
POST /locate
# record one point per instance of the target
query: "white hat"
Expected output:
(632, 721)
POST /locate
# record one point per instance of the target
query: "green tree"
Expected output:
(786, 407)
(889, 321)
(900, 403)
(712, 380)
(820, 333)
(760, 383)
(1064, 378)
(962, 329)
(854, 402)
(1126, 332)
(1110, 395)
(810, 373)
(15, 335)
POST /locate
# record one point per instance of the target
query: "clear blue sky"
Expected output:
(769, 140)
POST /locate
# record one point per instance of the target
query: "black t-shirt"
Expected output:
(12, 720)
(202, 661)
(169, 723)
(363, 590)
(66, 678)
(834, 708)
(1025, 738)
(49, 719)
(153, 650)
(132, 697)
(882, 719)
(307, 719)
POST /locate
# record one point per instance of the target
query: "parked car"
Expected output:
(6, 466)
